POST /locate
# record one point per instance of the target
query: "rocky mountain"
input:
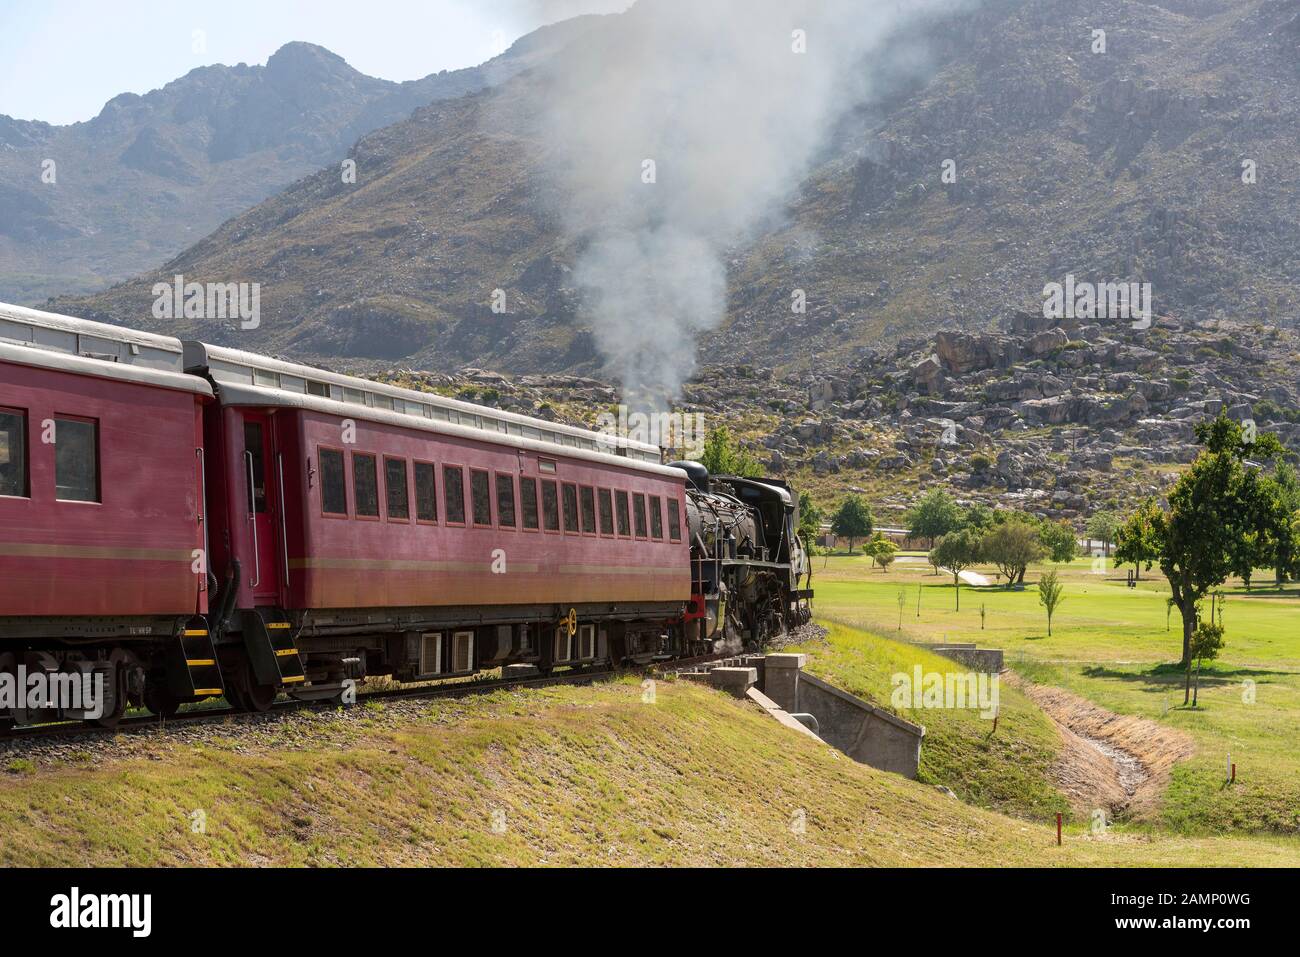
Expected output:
(1058, 420)
(153, 174)
(1167, 159)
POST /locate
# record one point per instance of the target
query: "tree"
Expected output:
(1050, 595)
(934, 515)
(1102, 526)
(1207, 641)
(902, 600)
(978, 517)
(1059, 541)
(1136, 543)
(1253, 549)
(810, 521)
(1012, 545)
(1286, 538)
(1212, 505)
(853, 520)
(724, 456)
(957, 551)
(881, 551)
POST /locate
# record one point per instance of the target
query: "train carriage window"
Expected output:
(674, 521)
(624, 519)
(656, 517)
(638, 513)
(76, 460)
(333, 486)
(398, 495)
(480, 493)
(550, 507)
(588, 510)
(506, 500)
(528, 502)
(606, 511)
(365, 485)
(453, 494)
(570, 507)
(426, 493)
(13, 453)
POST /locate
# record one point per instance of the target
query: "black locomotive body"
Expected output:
(749, 570)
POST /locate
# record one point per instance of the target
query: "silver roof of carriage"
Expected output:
(245, 378)
(67, 344)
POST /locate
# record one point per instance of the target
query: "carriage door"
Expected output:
(262, 505)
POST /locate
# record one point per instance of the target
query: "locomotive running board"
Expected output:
(272, 648)
(192, 669)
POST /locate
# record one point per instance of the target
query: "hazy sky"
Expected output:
(61, 60)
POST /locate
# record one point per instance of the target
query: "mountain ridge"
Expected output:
(1117, 166)
(153, 173)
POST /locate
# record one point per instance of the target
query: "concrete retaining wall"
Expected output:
(986, 660)
(864, 732)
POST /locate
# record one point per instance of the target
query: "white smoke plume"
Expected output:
(731, 100)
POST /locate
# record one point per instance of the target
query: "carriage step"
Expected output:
(192, 669)
(272, 648)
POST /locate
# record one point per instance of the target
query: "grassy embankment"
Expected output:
(582, 775)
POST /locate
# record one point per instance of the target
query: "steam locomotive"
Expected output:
(183, 521)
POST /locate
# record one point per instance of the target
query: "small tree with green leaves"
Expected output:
(723, 456)
(1012, 545)
(881, 551)
(936, 514)
(1135, 540)
(902, 600)
(1102, 527)
(978, 517)
(852, 520)
(1207, 641)
(957, 551)
(1050, 595)
(1059, 541)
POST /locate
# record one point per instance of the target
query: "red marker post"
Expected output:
(1058, 828)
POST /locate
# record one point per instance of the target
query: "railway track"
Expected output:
(147, 722)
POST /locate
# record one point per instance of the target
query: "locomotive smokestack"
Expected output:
(696, 474)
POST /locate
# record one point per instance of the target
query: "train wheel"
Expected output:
(261, 697)
(109, 720)
(245, 694)
(160, 701)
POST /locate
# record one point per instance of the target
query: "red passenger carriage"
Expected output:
(101, 478)
(374, 529)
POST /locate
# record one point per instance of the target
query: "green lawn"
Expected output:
(1110, 645)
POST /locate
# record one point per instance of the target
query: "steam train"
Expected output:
(182, 521)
